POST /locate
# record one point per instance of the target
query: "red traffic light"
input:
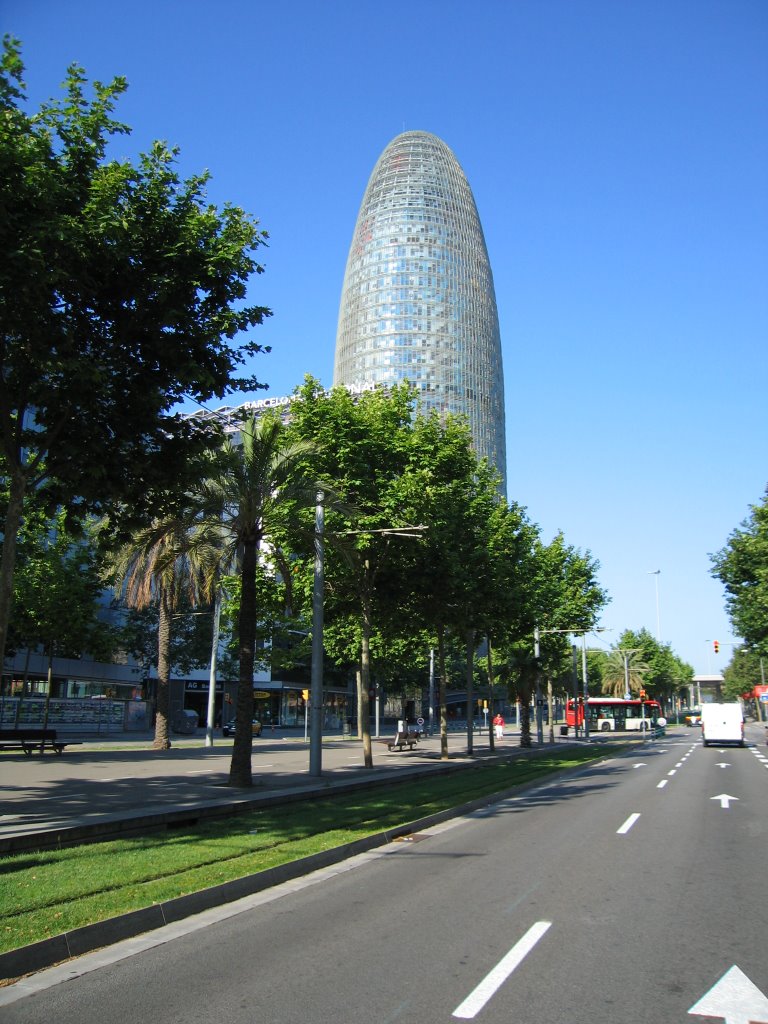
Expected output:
(716, 645)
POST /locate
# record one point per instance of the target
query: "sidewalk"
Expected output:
(121, 786)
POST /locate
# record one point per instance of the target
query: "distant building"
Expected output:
(706, 688)
(418, 301)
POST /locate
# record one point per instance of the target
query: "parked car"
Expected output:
(229, 728)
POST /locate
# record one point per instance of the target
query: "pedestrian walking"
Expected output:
(498, 726)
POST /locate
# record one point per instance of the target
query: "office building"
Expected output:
(418, 300)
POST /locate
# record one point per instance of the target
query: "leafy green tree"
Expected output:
(446, 489)
(562, 597)
(57, 592)
(666, 674)
(745, 670)
(742, 568)
(121, 291)
(363, 446)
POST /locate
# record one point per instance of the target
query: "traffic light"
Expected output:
(716, 645)
(643, 695)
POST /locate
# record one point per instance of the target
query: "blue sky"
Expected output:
(618, 153)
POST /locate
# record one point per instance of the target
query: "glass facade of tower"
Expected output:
(418, 301)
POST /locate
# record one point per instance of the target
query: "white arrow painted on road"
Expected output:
(734, 999)
(640, 764)
(724, 799)
(723, 764)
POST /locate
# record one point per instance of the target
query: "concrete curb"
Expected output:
(39, 955)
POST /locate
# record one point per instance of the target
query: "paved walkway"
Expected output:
(121, 784)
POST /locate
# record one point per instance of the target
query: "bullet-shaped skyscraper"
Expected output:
(418, 301)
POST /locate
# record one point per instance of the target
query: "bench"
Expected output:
(403, 740)
(33, 740)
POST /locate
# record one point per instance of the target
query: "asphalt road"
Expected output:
(625, 893)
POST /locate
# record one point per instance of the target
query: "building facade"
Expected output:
(418, 300)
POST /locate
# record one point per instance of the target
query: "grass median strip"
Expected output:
(53, 891)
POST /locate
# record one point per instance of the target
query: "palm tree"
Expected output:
(240, 505)
(622, 671)
(164, 563)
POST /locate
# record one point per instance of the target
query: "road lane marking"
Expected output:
(662, 784)
(627, 825)
(734, 998)
(490, 984)
(725, 799)
(672, 771)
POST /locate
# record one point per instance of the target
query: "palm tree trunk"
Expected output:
(240, 773)
(163, 699)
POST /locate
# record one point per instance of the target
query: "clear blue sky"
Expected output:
(618, 153)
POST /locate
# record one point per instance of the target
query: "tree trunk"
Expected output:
(163, 700)
(18, 490)
(242, 750)
(525, 718)
(441, 693)
(491, 713)
(470, 690)
(359, 701)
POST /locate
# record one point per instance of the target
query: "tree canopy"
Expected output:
(122, 290)
(742, 567)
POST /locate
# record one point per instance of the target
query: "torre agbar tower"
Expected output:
(418, 302)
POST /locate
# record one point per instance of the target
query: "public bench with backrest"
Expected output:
(33, 740)
(403, 740)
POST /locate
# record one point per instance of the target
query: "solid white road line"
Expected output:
(477, 999)
(627, 825)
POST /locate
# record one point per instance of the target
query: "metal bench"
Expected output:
(403, 740)
(33, 740)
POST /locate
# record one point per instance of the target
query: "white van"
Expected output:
(722, 723)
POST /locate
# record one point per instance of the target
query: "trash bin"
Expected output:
(563, 730)
(184, 722)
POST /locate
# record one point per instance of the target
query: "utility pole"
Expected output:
(316, 691)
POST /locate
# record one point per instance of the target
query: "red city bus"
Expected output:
(615, 714)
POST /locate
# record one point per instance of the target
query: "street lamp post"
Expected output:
(657, 573)
(211, 710)
(316, 689)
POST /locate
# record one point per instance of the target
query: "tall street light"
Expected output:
(657, 573)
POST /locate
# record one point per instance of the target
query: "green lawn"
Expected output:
(53, 891)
